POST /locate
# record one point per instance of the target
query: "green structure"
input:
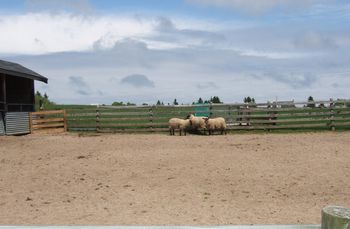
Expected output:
(202, 109)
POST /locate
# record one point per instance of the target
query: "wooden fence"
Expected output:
(55, 120)
(319, 115)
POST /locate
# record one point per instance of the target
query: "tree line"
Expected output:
(43, 101)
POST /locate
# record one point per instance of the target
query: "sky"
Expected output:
(101, 51)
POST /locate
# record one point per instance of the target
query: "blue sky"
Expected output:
(98, 51)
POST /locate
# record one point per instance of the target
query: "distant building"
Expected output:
(17, 97)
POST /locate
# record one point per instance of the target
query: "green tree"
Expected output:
(130, 104)
(247, 99)
(311, 102)
(175, 102)
(118, 104)
(215, 99)
(158, 103)
(200, 101)
(42, 102)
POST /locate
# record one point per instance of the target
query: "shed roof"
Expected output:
(14, 69)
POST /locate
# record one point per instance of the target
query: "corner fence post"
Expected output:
(97, 118)
(332, 114)
(150, 111)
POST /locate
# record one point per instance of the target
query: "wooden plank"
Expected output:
(81, 119)
(48, 112)
(132, 124)
(341, 124)
(48, 125)
(81, 114)
(284, 115)
(253, 121)
(46, 120)
(277, 127)
(82, 125)
(123, 119)
(124, 113)
(154, 130)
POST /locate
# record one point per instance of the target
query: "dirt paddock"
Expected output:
(163, 180)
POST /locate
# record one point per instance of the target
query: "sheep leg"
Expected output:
(180, 132)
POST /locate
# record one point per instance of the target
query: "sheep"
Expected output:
(177, 123)
(213, 124)
(197, 122)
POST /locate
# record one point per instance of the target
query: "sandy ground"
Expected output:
(163, 180)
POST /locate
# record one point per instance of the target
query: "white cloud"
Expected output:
(314, 41)
(80, 6)
(45, 32)
(87, 57)
(65, 32)
(255, 6)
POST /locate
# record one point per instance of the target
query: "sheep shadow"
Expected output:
(197, 132)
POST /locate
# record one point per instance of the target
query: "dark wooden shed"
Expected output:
(16, 97)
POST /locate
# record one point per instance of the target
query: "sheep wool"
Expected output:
(198, 122)
(213, 124)
(178, 124)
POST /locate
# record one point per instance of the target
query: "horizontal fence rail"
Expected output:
(55, 120)
(318, 115)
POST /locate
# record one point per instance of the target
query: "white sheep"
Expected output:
(213, 124)
(198, 122)
(180, 124)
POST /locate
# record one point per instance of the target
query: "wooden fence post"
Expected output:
(331, 117)
(151, 118)
(335, 217)
(229, 114)
(210, 110)
(97, 118)
(65, 120)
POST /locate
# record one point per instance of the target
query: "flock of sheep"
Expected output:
(197, 123)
